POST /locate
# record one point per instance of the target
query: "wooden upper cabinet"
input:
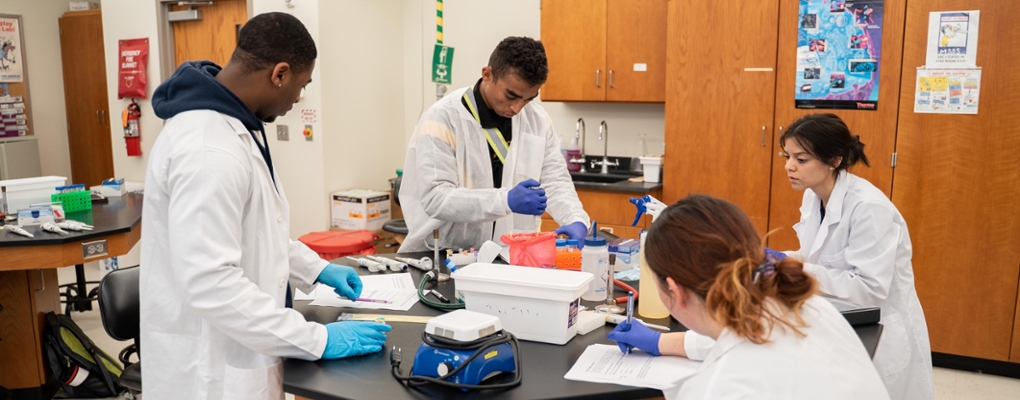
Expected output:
(605, 50)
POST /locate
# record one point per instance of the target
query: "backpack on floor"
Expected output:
(72, 357)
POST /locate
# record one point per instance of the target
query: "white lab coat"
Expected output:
(216, 258)
(861, 253)
(829, 362)
(447, 183)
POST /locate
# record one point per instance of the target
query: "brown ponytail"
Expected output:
(709, 246)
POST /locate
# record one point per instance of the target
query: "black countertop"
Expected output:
(119, 215)
(615, 180)
(543, 365)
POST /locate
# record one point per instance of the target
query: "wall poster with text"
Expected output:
(11, 51)
(839, 51)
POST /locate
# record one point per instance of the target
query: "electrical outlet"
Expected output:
(282, 132)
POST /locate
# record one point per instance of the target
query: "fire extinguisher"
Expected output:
(132, 133)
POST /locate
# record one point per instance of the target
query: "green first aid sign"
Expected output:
(442, 64)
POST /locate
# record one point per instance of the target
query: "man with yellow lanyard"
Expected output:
(484, 161)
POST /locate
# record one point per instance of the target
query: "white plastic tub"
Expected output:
(652, 167)
(534, 304)
(22, 193)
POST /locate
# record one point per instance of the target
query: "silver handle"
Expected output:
(610, 79)
(102, 116)
(43, 280)
(598, 79)
(763, 136)
(97, 116)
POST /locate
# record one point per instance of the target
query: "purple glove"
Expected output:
(576, 231)
(773, 255)
(629, 336)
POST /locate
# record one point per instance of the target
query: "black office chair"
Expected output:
(397, 226)
(119, 310)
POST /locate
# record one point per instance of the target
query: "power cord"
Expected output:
(480, 345)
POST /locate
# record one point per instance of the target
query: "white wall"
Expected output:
(362, 56)
(468, 28)
(131, 19)
(45, 79)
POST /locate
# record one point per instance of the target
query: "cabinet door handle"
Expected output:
(102, 116)
(598, 78)
(42, 279)
(610, 79)
(97, 116)
(763, 136)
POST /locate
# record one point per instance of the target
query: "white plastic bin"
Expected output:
(22, 193)
(534, 304)
(652, 167)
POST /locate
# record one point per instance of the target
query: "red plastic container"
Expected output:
(335, 244)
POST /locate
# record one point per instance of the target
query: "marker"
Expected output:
(630, 307)
(368, 300)
(439, 296)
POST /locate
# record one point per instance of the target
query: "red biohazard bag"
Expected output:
(532, 249)
(132, 59)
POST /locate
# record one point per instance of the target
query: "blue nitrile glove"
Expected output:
(527, 198)
(354, 338)
(774, 255)
(629, 336)
(344, 280)
(576, 231)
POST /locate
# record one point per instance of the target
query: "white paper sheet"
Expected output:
(602, 363)
(399, 289)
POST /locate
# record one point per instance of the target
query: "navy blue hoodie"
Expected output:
(194, 87)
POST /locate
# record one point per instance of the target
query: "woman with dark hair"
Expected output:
(854, 241)
(774, 337)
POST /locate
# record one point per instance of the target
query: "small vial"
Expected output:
(561, 245)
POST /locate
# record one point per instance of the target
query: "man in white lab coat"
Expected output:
(484, 160)
(216, 248)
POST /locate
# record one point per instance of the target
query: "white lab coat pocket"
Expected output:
(837, 260)
(253, 383)
(531, 157)
(893, 352)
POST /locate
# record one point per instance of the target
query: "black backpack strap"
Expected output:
(63, 321)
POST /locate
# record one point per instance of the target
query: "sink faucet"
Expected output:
(579, 133)
(605, 149)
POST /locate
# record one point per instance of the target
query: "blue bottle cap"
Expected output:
(561, 242)
(572, 242)
(594, 241)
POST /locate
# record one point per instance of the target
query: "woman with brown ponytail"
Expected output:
(774, 337)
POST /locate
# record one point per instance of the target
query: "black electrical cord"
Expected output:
(481, 345)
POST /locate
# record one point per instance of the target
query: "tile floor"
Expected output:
(949, 384)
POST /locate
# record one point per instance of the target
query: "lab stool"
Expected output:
(119, 308)
(396, 226)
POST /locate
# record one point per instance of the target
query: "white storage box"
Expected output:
(652, 167)
(22, 193)
(534, 304)
(360, 209)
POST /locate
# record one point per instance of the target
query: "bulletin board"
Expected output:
(13, 73)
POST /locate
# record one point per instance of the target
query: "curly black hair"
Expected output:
(271, 38)
(522, 56)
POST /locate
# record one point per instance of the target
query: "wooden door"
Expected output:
(877, 128)
(720, 89)
(574, 35)
(957, 185)
(212, 38)
(26, 297)
(88, 116)
(636, 50)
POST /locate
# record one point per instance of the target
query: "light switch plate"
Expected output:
(282, 132)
